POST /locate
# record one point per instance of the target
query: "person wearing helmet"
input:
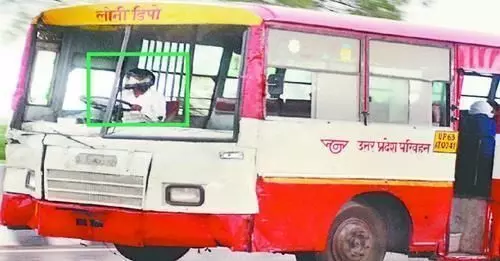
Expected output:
(137, 91)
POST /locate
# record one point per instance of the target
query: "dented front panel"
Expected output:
(24, 152)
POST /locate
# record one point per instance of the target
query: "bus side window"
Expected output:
(321, 75)
(40, 90)
(475, 87)
(293, 99)
(401, 81)
(441, 104)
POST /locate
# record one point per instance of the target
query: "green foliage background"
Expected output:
(388, 9)
(2, 142)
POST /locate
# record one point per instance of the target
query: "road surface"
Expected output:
(110, 254)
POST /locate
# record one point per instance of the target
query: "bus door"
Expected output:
(470, 218)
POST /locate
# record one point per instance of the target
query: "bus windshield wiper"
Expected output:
(73, 139)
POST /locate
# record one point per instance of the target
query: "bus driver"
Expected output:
(147, 104)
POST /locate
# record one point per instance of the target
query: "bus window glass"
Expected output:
(297, 91)
(171, 81)
(101, 82)
(298, 76)
(41, 79)
(231, 84)
(230, 88)
(440, 106)
(313, 51)
(320, 73)
(215, 71)
(466, 102)
(497, 94)
(439, 92)
(389, 100)
(234, 66)
(295, 101)
(213, 85)
(215, 63)
(207, 59)
(409, 61)
(474, 88)
(420, 103)
(401, 81)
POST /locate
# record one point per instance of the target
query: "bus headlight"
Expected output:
(184, 195)
(30, 182)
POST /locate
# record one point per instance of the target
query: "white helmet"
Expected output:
(482, 107)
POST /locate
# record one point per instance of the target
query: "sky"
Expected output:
(474, 15)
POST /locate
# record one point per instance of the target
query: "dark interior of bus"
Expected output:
(474, 166)
(215, 52)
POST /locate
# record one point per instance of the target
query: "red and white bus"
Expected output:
(328, 136)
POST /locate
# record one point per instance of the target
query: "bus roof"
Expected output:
(373, 25)
(167, 12)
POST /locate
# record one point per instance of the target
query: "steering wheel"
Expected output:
(101, 103)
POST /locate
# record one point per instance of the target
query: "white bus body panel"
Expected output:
(294, 148)
(229, 184)
(23, 157)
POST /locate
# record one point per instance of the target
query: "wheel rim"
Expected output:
(352, 241)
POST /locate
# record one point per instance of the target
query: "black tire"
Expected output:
(152, 253)
(358, 233)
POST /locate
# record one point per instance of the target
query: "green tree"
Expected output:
(388, 9)
(19, 13)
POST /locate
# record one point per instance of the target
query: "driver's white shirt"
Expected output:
(153, 103)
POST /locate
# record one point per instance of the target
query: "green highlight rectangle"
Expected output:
(187, 92)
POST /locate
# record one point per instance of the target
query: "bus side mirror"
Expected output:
(275, 84)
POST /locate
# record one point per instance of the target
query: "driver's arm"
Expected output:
(136, 107)
(127, 96)
(154, 106)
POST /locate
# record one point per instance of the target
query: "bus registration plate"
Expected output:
(445, 141)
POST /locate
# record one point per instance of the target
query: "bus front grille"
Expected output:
(95, 188)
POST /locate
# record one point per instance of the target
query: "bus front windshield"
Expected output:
(201, 63)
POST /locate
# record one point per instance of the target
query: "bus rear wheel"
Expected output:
(358, 233)
(152, 253)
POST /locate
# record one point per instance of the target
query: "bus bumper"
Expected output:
(126, 227)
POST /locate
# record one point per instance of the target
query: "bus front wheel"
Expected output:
(152, 253)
